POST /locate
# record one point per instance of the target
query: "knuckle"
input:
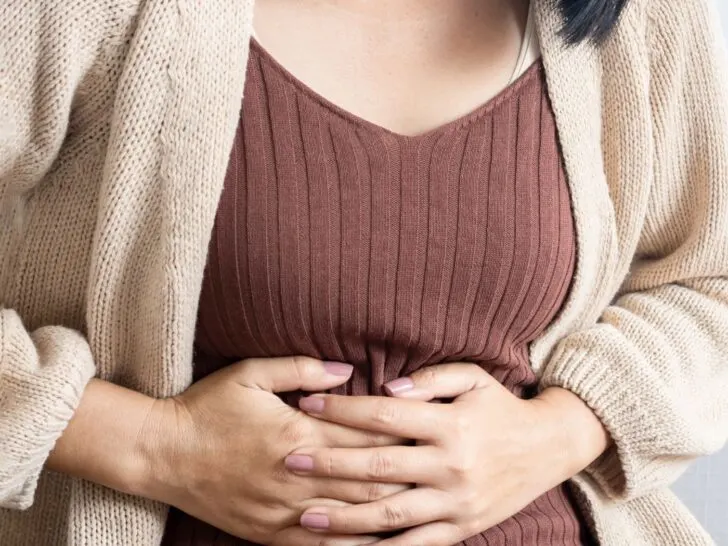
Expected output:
(325, 461)
(385, 413)
(380, 466)
(459, 466)
(243, 367)
(281, 475)
(473, 525)
(460, 425)
(470, 504)
(427, 376)
(302, 366)
(394, 516)
(374, 440)
(264, 525)
(290, 504)
(373, 491)
(294, 431)
(258, 530)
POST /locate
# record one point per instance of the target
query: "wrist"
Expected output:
(157, 449)
(578, 436)
(103, 441)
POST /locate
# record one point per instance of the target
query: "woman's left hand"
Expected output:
(476, 461)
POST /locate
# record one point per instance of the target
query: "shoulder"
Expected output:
(672, 27)
(53, 44)
(673, 40)
(53, 53)
(658, 13)
(75, 30)
(85, 17)
(686, 47)
(669, 23)
(684, 9)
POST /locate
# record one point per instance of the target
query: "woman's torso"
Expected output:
(139, 141)
(340, 239)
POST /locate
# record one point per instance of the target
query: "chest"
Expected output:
(166, 245)
(340, 239)
(409, 66)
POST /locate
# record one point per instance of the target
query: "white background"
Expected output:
(705, 487)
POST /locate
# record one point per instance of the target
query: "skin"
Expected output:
(217, 450)
(229, 452)
(476, 462)
(391, 62)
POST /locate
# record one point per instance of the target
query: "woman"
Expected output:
(511, 283)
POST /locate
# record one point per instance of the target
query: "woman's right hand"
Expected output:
(220, 448)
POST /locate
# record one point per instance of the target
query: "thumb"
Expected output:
(290, 373)
(440, 381)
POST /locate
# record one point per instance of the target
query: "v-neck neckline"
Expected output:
(534, 70)
(573, 77)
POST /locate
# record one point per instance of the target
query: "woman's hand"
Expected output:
(221, 446)
(477, 461)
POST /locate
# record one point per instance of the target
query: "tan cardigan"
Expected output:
(116, 121)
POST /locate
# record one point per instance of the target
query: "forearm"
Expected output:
(108, 439)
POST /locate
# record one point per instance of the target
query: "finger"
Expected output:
(357, 492)
(412, 419)
(304, 537)
(440, 381)
(290, 373)
(414, 507)
(398, 464)
(334, 434)
(439, 533)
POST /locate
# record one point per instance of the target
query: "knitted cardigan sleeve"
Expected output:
(45, 52)
(654, 368)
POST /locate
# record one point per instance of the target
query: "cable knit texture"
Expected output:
(116, 120)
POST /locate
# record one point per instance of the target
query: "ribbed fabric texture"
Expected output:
(339, 239)
(116, 124)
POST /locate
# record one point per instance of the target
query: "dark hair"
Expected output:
(589, 19)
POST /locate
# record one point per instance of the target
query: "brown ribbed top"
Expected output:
(339, 239)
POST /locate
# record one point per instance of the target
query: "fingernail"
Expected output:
(299, 463)
(398, 386)
(311, 404)
(315, 521)
(338, 368)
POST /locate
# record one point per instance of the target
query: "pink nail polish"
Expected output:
(299, 463)
(311, 404)
(398, 386)
(338, 368)
(315, 521)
